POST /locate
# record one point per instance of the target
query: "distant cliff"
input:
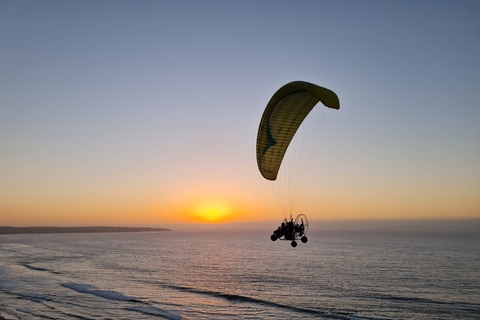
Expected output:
(26, 230)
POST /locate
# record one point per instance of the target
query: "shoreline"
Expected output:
(41, 230)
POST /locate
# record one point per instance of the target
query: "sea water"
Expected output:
(240, 275)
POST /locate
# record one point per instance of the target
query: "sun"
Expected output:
(212, 211)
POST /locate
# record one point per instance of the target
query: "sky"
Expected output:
(146, 112)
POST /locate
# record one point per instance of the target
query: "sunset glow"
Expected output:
(150, 115)
(212, 211)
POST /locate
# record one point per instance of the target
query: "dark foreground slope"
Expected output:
(26, 230)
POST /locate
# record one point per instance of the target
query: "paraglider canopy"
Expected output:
(281, 119)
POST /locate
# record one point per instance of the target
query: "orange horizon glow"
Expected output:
(224, 203)
(211, 211)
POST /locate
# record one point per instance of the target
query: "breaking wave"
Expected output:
(106, 294)
(420, 300)
(143, 308)
(154, 311)
(39, 269)
(240, 298)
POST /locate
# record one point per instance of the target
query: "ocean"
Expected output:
(240, 274)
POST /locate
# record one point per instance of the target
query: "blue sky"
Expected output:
(137, 106)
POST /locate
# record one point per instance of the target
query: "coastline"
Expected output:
(37, 230)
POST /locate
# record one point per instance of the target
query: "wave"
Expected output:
(7, 313)
(382, 296)
(240, 298)
(41, 300)
(39, 269)
(145, 308)
(5, 270)
(364, 318)
(154, 311)
(106, 294)
(35, 296)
